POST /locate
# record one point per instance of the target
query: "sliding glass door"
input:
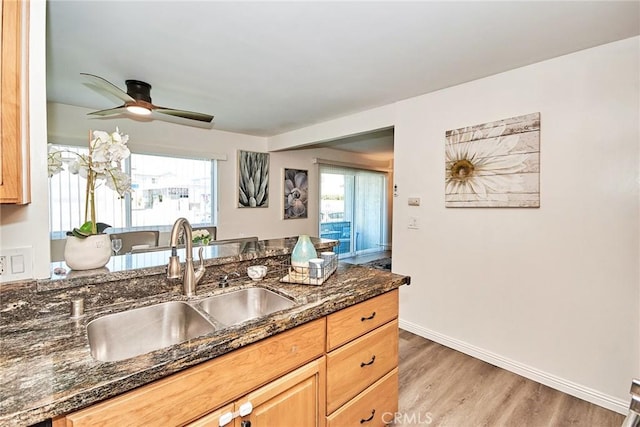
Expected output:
(353, 209)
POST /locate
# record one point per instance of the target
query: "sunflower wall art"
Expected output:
(296, 192)
(495, 164)
(253, 179)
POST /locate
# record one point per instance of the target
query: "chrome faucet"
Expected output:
(224, 280)
(190, 277)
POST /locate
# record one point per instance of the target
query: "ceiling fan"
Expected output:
(137, 101)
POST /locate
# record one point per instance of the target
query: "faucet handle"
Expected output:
(200, 271)
(201, 264)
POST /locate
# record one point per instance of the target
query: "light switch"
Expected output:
(414, 201)
(413, 223)
(17, 264)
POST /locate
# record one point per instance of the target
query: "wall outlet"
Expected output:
(3, 263)
(413, 223)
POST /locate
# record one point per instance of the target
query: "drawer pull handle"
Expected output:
(368, 318)
(362, 364)
(362, 421)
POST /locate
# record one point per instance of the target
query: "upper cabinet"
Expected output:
(14, 137)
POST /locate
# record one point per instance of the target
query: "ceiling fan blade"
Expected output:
(155, 115)
(96, 82)
(185, 114)
(110, 111)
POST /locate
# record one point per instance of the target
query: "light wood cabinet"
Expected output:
(14, 162)
(362, 381)
(216, 418)
(358, 364)
(350, 323)
(296, 378)
(296, 399)
(375, 406)
(188, 395)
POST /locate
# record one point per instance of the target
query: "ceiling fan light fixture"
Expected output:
(138, 110)
(137, 101)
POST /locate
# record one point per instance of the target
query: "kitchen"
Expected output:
(550, 293)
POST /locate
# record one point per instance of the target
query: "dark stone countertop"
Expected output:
(47, 369)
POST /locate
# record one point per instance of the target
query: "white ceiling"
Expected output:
(264, 68)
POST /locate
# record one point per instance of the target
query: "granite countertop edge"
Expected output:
(79, 381)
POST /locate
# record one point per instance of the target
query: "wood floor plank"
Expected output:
(443, 387)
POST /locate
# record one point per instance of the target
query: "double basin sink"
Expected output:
(142, 330)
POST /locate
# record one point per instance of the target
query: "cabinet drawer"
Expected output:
(355, 366)
(187, 395)
(376, 406)
(352, 322)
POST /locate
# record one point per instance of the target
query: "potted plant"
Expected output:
(200, 237)
(88, 246)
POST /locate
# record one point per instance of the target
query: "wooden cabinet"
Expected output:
(188, 395)
(375, 406)
(296, 399)
(14, 162)
(358, 364)
(350, 323)
(339, 370)
(362, 362)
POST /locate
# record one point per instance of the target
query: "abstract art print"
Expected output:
(253, 179)
(296, 189)
(495, 164)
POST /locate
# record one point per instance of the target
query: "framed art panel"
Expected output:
(253, 179)
(296, 193)
(495, 164)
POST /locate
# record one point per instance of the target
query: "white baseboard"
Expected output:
(577, 390)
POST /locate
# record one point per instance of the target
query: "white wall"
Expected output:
(551, 293)
(553, 290)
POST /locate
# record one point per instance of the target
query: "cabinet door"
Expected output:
(14, 172)
(217, 418)
(295, 400)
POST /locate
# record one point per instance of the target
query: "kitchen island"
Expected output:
(47, 368)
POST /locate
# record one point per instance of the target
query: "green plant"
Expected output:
(201, 236)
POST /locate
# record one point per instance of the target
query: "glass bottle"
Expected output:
(302, 252)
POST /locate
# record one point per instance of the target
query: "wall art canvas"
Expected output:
(495, 164)
(296, 192)
(253, 179)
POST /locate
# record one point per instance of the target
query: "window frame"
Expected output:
(128, 204)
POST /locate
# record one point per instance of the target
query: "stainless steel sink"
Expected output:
(245, 304)
(142, 330)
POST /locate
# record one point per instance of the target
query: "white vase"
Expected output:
(89, 253)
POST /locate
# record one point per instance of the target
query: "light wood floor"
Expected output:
(443, 387)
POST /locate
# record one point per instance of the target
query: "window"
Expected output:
(353, 209)
(163, 189)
